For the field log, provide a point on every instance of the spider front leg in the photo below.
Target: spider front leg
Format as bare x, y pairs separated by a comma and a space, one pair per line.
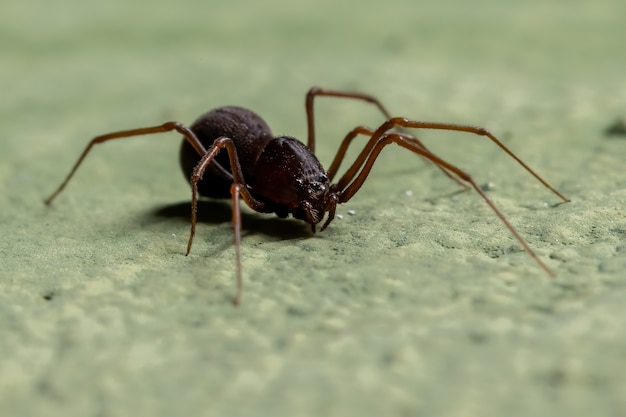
354, 178
366, 131
317, 91
406, 123
238, 189
360, 130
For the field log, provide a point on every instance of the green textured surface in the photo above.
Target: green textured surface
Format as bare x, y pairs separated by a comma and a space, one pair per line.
417, 304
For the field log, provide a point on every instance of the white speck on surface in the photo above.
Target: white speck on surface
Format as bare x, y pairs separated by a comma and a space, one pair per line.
488, 186
408, 193
340, 216
351, 212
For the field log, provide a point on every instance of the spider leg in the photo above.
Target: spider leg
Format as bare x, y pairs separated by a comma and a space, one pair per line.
317, 91
366, 163
239, 189
343, 148
366, 131
235, 192
406, 123
165, 127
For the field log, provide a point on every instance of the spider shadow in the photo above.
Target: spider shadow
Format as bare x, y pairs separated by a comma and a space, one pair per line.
218, 212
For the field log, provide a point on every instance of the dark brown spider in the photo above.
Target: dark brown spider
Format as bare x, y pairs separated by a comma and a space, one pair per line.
281, 175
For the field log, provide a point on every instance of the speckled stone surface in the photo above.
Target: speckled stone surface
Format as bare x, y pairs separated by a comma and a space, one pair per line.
418, 303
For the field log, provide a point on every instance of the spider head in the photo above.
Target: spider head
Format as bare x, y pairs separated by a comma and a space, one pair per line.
313, 196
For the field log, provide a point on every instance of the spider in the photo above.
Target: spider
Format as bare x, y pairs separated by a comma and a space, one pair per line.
282, 175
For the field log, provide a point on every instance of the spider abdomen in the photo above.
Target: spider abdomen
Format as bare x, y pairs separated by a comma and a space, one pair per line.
249, 133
